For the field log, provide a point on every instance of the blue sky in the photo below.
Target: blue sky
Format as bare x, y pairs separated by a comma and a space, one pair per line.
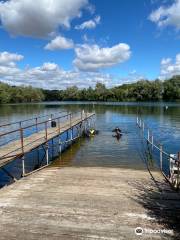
55, 44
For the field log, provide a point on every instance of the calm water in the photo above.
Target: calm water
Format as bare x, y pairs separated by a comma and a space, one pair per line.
103, 149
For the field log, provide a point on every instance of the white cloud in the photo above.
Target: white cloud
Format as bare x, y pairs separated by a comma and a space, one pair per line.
167, 15
59, 43
51, 76
168, 68
89, 24
9, 59
93, 58
41, 18
48, 76
49, 67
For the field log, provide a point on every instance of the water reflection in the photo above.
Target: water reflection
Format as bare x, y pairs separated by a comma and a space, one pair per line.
103, 149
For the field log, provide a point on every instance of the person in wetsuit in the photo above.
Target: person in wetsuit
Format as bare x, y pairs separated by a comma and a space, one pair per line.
118, 133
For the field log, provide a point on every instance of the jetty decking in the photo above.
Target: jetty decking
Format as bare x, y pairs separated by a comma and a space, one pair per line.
25, 144
89, 203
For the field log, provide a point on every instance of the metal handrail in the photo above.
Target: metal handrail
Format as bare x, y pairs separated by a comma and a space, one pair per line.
150, 139
45, 128
34, 125
21, 131
152, 143
29, 119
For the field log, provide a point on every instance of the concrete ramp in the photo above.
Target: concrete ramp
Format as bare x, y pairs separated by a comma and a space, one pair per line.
88, 203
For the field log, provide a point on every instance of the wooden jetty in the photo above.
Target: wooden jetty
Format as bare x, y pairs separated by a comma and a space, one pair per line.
89, 203
39, 134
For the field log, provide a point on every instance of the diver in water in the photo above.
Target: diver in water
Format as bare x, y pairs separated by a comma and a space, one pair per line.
118, 133
91, 132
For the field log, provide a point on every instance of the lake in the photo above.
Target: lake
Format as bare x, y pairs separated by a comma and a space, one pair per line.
105, 150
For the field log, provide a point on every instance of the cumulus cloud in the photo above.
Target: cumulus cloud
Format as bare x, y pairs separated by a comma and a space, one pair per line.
170, 68
9, 59
51, 76
41, 18
93, 58
48, 76
167, 15
89, 24
59, 43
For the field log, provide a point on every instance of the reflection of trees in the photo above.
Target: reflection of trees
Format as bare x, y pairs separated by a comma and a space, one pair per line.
27, 110
20, 109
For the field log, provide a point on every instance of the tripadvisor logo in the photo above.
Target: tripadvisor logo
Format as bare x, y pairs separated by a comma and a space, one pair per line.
138, 231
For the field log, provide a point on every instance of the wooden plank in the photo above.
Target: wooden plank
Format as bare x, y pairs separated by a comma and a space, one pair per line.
13, 150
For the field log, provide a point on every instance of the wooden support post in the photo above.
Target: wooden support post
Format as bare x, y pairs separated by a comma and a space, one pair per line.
161, 156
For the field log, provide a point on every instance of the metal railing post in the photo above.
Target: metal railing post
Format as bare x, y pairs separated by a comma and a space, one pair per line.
59, 126
161, 156
148, 134
83, 114
36, 124
178, 173
70, 120
46, 137
71, 129
152, 141
22, 149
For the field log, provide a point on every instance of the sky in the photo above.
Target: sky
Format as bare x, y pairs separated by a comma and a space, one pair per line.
55, 44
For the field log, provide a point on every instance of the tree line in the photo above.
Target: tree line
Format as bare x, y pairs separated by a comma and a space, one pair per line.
22, 94
144, 90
